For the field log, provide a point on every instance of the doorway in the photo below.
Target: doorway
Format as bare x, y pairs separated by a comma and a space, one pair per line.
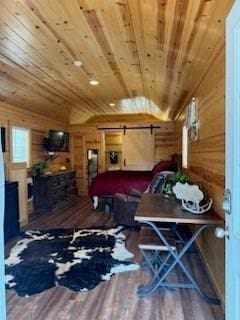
232, 199
2, 272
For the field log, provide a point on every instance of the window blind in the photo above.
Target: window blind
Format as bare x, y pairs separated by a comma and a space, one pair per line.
20, 145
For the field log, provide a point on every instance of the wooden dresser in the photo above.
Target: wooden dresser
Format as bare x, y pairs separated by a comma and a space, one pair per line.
54, 191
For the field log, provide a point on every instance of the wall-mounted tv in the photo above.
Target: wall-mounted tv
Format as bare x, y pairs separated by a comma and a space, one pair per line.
3, 138
56, 141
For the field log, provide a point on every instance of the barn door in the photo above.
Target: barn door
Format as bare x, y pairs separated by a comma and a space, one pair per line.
138, 150
232, 195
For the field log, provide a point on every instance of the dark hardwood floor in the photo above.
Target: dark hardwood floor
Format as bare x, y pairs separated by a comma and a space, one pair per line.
115, 299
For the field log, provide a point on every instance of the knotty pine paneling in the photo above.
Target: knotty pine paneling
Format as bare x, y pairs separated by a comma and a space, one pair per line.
78, 151
123, 118
164, 142
37, 147
135, 48
207, 156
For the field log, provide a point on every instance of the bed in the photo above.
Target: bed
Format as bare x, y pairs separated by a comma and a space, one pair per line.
108, 183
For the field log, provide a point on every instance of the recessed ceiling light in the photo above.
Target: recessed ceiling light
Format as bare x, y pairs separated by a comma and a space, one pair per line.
112, 104
94, 82
77, 63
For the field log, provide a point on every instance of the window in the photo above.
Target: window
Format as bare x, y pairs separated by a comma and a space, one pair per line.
185, 147
20, 145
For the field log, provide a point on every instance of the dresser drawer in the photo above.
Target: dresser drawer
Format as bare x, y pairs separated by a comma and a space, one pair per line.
58, 198
57, 181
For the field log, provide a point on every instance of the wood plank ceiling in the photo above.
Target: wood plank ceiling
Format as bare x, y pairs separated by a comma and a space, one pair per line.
156, 49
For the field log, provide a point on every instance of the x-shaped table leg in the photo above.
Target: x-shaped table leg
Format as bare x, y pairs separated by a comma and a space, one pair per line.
160, 275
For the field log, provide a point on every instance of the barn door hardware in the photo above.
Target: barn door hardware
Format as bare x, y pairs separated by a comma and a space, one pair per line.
125, 128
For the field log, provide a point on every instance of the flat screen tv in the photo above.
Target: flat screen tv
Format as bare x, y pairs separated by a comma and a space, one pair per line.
56, 141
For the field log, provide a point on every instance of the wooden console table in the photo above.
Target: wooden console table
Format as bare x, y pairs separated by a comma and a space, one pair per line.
154, 209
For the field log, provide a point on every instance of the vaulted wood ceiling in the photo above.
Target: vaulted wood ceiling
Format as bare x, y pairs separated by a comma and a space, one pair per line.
155, 49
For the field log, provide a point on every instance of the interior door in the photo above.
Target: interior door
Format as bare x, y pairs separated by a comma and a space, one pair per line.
2, 276
138, 150
232, 201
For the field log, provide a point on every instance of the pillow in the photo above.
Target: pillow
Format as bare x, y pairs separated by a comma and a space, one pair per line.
158, 181
162, 166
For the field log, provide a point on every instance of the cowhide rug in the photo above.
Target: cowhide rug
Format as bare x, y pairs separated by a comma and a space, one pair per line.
78, 259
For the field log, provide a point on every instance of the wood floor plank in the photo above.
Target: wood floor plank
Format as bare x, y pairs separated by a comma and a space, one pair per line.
115, 299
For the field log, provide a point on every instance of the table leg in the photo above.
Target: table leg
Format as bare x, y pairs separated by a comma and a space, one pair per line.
159, 278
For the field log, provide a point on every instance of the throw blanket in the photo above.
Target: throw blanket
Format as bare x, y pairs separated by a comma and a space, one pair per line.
111, 182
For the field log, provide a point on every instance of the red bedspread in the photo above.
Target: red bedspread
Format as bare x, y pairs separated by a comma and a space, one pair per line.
121, 181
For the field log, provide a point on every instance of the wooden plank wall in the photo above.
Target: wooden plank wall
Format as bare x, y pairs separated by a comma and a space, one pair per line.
88, 137
78, 143
207, 156
164, 141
